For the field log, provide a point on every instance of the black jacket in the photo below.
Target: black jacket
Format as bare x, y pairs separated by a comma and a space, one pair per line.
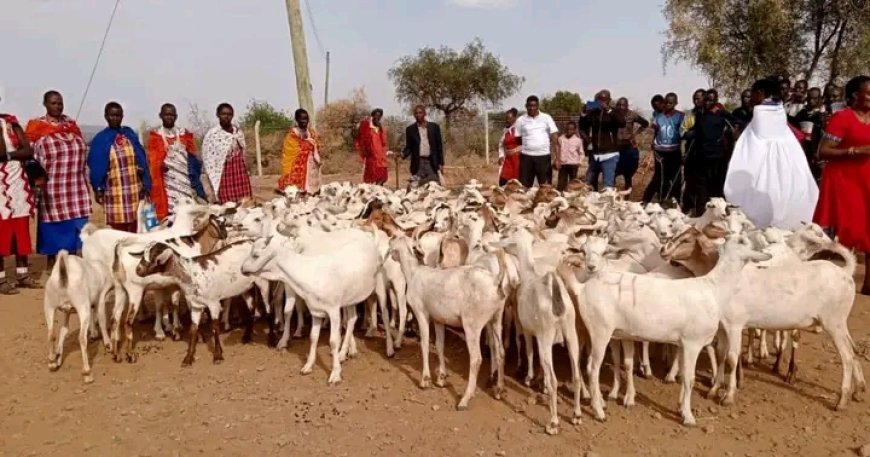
712, 136
602, 128
412, 146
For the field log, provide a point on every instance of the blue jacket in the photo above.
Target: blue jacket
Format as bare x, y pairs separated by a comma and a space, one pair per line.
98, 157
667, 130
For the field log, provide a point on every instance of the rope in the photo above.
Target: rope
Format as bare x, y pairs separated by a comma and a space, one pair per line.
97, 62
314, 29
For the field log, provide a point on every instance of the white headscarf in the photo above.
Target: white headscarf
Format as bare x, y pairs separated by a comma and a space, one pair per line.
216, 145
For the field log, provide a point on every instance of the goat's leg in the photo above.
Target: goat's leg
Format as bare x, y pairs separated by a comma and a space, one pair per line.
843, 342
711, 354
61, 336
551, 384
176, 319
216, 334
225, 314
596, 357
84, 321
508, 320
334, 345
159, 309
52, 339
316, 322
440, 380
530, 359
300, 319
402, 304
193, 335
645, 366
733, 365
132, 310
496, 330
289, 304
615, 346
348, 344
248, 318
674, 371
750, 345
423, 324
722, 348
688, 359
763, 352
381, 294
472, 339
121, 299
792, 345
571, 341
101, 314
628, 363
372, 314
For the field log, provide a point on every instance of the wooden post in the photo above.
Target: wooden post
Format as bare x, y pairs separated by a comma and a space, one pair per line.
326, 86
300, 58
486, 133
257, 147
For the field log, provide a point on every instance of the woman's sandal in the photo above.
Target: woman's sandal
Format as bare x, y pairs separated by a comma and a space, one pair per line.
27, 282
6, 288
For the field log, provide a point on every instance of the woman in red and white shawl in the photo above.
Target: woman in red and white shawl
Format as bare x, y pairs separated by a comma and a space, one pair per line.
371, 142
223, 157
16, 203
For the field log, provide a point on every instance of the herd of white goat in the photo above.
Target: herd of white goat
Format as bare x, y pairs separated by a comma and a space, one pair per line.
583, 269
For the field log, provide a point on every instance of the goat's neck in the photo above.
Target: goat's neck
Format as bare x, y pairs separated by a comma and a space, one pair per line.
409, 263
725, 276
525, 258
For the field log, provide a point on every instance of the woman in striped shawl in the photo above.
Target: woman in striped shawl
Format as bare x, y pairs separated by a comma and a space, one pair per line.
223, 157
175, 168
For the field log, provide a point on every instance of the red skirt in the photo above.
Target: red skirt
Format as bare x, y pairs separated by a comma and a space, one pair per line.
235, 182
373, 174
511, 167
15, 236
844, 202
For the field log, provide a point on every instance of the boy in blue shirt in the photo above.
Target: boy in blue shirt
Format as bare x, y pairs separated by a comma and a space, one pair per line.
667, 152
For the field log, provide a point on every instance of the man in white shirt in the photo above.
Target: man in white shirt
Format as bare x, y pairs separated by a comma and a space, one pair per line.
540, 145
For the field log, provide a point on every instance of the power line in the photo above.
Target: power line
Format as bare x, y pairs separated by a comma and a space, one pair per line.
314, 29
97, 62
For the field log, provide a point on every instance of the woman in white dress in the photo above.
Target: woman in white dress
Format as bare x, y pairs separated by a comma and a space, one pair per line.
768, 176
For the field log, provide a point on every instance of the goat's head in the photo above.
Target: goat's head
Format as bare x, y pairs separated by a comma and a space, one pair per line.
262, 252
740, 248
156, 258
595, 248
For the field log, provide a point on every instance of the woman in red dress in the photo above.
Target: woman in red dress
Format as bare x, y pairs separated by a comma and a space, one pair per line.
844, 200
509, 150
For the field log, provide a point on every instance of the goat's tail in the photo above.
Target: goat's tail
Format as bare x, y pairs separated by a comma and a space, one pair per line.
62, 273
87, 231
558, 303
846, 254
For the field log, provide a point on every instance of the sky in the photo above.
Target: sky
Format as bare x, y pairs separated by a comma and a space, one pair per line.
205, 52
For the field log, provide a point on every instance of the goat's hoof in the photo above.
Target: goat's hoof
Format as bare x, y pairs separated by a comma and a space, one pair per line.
117, 358
397, 344
712, 393
552, 428
841, 405
791, 378
462, 406
159, 337
426, 383
499, 392
334, 379
612, 396
527, 382
53, 366
132, 357
670, 380
370, 333
576, 420
188, 361
272, 341
689, 422
306, 370
441, 381
217, 360
176, 336
727, 401
88, 379
627, 402
390, 352
601, 418
297, 335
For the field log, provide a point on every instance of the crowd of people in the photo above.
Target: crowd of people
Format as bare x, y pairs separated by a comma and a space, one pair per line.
749, 155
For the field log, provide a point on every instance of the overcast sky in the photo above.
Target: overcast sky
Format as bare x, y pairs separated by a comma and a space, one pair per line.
210, 51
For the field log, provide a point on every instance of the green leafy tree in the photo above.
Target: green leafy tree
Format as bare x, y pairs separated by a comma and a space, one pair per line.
452, 81
562, 103
737, 41
271, 119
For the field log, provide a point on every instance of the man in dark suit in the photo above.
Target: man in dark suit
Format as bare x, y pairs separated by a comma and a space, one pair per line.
423, 144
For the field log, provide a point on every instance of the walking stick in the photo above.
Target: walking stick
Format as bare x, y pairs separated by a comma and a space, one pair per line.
396, 161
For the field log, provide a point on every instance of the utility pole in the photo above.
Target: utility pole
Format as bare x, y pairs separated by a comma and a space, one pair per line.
300, 57
326, 86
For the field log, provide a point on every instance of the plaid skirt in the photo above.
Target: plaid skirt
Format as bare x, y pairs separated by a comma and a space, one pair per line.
235, 182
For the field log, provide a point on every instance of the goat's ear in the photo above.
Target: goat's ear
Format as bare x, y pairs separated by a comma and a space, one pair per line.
137, 254
394, 255
164, 257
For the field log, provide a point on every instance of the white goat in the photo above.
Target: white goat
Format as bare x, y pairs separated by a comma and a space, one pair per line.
467, 296
684, 312
74, 284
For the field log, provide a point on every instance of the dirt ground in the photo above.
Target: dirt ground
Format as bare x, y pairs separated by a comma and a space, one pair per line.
257, 403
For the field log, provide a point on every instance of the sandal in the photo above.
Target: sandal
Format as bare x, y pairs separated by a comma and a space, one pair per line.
27, 282
6, 288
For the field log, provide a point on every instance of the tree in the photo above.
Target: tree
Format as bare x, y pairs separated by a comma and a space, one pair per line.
562, 103
271, 119
737, 41
337, 123
452, 81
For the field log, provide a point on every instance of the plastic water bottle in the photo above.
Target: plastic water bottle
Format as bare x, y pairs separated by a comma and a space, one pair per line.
150, 216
